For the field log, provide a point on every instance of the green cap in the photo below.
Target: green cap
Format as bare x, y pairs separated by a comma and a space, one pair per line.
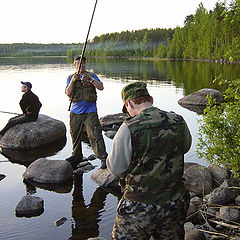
132, 91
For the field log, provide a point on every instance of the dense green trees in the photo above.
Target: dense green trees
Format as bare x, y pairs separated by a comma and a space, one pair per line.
209, 35
205, 35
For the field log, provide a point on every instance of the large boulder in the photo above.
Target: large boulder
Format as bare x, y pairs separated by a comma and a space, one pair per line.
197, 101
198, 180
49, 171
112, 121
34, 134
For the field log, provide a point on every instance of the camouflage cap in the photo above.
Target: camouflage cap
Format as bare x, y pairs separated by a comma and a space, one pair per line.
132, 91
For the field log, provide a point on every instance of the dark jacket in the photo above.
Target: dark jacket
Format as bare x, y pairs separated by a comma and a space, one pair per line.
30, 104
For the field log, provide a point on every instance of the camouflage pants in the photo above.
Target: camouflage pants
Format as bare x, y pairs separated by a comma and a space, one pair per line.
140, 221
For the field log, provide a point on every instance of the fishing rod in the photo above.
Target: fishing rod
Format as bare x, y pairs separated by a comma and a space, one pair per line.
9, 112
83, 52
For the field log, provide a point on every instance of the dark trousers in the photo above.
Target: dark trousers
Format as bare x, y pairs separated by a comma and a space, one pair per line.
17, 120
94, 133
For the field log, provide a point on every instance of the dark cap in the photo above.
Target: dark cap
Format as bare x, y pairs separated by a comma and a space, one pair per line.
132, 91
78, 57
27, 84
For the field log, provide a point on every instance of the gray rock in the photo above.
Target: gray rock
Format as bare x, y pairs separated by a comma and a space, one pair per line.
104, 178
34, 134
198, 180
219, 174
230, 214
200, 97
192, 211
83, 169
84, 163
60, 221
29, 206
237, 200
110, 121
197, 101
49, 171
110, 134
223, 194
192, 233
196, 201
91, 157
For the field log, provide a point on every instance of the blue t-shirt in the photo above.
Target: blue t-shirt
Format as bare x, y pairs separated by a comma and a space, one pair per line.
83, 106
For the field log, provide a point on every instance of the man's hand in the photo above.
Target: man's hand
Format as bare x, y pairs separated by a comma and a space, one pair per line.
87, 78
75, 77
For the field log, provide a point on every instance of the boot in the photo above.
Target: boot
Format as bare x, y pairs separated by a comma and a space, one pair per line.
103, 164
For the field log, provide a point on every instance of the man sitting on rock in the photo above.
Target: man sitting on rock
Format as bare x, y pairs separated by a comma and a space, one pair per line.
30, 106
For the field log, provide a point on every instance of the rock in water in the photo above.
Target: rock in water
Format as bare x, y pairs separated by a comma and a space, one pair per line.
34, 134
29, 206
49, 171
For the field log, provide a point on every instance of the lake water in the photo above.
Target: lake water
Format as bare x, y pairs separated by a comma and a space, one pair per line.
89, 210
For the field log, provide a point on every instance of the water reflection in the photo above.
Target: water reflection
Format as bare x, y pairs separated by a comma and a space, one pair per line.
58, 188
26, 157
86, 217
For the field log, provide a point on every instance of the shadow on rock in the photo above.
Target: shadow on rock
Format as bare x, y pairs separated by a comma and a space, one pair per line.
26, 157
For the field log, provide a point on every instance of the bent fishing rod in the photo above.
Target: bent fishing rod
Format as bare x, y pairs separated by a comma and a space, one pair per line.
83, 52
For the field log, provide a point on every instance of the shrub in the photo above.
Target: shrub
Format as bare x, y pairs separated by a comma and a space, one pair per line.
219, 132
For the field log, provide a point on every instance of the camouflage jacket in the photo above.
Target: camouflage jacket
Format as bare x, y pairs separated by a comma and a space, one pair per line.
158, 141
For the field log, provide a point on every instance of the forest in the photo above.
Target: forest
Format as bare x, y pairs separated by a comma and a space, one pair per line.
206, 35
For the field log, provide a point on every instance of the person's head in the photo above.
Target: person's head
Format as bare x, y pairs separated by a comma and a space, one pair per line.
135, 97
77, 62
26, 86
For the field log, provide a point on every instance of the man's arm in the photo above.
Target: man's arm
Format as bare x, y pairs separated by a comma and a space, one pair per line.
119, 159
71, 85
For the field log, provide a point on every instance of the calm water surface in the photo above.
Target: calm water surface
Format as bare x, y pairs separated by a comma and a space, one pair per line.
89, 210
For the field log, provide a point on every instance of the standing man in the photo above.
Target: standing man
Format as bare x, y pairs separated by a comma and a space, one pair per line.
30, 106
148, 154
84, 112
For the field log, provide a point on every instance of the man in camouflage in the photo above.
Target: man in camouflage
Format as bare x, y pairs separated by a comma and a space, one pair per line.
148, 154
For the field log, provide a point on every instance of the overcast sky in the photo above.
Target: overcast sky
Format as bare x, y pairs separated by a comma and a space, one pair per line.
67, 21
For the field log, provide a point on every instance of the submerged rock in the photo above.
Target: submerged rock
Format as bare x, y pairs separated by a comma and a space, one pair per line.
29, 206
49, 171
34, 134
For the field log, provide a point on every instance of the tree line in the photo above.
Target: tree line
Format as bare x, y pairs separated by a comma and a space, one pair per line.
34, 49
213, 34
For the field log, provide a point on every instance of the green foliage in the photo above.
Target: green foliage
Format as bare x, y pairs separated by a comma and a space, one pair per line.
219, 140
209, 35
205, 35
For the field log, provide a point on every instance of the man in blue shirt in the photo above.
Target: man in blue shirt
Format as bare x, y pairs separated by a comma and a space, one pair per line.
84, 112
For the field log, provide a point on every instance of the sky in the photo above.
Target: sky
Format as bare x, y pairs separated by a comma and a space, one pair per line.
67, 21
